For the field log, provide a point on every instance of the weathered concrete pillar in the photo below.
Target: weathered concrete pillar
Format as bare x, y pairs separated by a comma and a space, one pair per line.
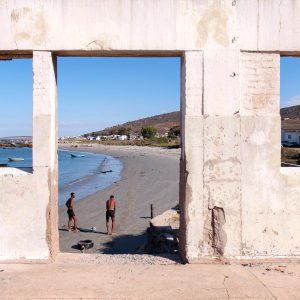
222, 153
267, 205
45, 137
210, 165
191, 167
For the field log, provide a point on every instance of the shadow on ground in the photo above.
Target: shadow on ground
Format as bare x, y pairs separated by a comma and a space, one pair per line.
133, 244
126, 244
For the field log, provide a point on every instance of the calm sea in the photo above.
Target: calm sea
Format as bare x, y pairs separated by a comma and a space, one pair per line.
84, 175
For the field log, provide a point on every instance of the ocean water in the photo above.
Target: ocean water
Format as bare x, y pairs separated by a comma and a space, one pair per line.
83, 175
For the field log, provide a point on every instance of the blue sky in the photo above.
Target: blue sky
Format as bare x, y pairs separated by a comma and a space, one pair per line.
289, 81
94, 93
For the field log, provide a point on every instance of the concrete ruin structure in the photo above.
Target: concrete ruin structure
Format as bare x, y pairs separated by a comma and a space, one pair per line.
236, 201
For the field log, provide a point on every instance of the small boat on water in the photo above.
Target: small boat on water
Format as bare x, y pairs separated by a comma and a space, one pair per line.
77, 155
15, 158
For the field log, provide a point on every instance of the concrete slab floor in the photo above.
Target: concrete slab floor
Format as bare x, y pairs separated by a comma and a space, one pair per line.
86, 276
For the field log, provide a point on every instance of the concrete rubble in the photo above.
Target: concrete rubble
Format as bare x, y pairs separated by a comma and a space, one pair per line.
163, 233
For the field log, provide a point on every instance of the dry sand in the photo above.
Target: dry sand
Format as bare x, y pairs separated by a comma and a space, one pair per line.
150, 175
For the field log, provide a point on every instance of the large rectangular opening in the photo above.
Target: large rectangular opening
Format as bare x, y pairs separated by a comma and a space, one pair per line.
290, 111
119, 134
16, 114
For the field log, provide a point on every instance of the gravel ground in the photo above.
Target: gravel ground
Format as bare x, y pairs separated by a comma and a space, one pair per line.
126, 259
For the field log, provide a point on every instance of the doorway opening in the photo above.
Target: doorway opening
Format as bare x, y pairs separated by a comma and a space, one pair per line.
119, 134
16, 114
290, 111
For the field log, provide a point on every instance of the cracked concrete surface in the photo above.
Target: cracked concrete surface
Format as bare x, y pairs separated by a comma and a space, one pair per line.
83, 277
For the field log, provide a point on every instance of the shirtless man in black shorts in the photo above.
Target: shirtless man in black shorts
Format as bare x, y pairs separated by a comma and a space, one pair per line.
110, 213
71, 214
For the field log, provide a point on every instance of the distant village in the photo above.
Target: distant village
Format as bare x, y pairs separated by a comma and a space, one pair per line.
111, 137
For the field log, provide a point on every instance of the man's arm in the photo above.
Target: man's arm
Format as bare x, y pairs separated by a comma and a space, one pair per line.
115, 206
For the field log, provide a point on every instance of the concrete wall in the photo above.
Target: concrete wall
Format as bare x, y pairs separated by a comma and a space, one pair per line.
235, 198
28, 202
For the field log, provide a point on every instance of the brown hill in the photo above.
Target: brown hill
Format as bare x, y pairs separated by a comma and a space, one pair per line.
290, 121
290, 117
162, 123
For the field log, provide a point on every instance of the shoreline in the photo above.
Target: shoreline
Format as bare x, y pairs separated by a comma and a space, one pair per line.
88, 181
117, 152
148, 176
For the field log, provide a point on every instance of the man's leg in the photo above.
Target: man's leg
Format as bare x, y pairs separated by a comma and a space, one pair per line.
107, 224
113, 223
75, 224
69, 221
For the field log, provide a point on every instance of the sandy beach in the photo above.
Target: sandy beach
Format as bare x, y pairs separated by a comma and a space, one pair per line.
150, 175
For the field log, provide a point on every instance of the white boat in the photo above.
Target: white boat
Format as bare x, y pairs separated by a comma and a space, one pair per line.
77, 155
15, 158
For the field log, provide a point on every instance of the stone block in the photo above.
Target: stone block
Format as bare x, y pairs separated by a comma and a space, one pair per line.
221, 82
260, 84
44, 110
247, 14
222, 181
192, 83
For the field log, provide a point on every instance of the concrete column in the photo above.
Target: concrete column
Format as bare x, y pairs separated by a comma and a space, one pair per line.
222, 153
191, 167
266, 214
45, 137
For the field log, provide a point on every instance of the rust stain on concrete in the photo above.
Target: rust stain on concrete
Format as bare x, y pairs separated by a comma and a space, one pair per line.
29, 25
213, 23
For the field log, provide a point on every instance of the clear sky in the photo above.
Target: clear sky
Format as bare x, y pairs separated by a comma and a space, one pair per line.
289, 81
94, 93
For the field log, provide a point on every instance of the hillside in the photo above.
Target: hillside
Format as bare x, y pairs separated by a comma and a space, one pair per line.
162, 123
290, 117
290, 121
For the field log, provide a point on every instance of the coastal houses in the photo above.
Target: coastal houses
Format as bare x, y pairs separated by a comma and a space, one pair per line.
290, 136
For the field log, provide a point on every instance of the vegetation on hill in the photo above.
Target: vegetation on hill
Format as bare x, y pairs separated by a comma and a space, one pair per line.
162, 124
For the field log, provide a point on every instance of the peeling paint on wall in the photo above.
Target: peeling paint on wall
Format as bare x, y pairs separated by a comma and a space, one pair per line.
103, 42
215, 238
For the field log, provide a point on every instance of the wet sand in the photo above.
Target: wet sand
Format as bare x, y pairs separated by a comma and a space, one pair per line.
150, 175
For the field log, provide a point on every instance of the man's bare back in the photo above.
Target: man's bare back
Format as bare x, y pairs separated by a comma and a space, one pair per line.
111, 204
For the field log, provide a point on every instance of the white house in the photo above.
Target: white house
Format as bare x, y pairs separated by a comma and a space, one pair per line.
291, 136
122, 137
